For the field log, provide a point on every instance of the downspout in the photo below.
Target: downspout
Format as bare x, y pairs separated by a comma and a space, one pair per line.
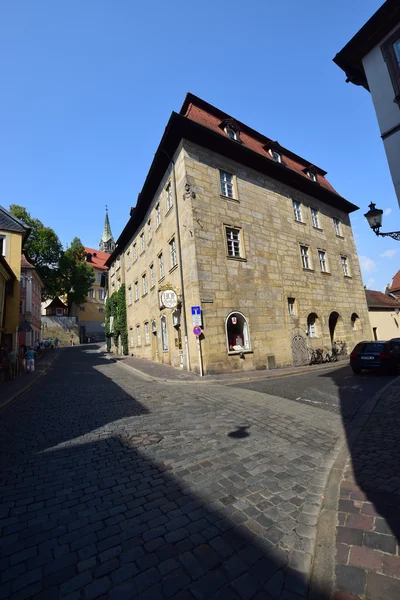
178, 237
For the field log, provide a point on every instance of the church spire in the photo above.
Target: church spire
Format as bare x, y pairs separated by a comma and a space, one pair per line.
107, 243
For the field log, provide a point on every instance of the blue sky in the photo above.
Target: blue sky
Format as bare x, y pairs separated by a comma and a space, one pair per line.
87, 89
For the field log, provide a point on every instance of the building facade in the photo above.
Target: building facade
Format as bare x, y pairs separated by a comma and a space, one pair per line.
384, 315
372, 59
91, 313
13, 234
31, 286
254, 235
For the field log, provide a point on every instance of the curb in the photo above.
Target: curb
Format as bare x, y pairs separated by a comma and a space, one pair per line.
322, 576
29, 386
203, 381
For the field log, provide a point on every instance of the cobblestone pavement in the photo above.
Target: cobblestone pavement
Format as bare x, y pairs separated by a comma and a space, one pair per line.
368, 532
337, 390
114, 487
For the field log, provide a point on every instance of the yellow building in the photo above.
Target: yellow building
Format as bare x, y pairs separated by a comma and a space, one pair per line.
13, 234
384, 315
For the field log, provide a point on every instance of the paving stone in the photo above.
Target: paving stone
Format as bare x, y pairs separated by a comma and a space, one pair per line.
380, 587
350, 579
379, 541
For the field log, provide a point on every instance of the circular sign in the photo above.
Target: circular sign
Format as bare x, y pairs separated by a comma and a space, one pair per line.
169, 299
234, 320
197, 330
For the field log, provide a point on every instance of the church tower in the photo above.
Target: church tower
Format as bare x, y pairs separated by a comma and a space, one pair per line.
107, 243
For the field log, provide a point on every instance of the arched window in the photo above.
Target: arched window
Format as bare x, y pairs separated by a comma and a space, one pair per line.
312, 325
164, 333
237, 332
355, 322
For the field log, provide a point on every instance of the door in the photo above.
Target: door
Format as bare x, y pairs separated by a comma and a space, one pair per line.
299, 351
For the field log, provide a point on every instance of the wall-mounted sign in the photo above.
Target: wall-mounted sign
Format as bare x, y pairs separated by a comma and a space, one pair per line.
197, 331
169, 299
196, 316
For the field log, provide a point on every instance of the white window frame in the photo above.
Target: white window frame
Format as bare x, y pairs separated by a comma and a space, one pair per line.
345, 265
158, 215
129, 295
142, 242
136, 286
144, 284
3, 237
312, 327
152, 276
337, 227
131, 337
305, 257
226, 184
128, 260
149, 231
101, 294
246, 333
312, 176
233, 244
172, 253
315, 217
147, 332
161, 266
135, 254
168, 197
292, 306
275, 155
138, 335
323, 263
164, 333
297, 211
231, 133
91, 293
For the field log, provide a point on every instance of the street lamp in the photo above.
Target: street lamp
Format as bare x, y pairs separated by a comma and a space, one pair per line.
374, 218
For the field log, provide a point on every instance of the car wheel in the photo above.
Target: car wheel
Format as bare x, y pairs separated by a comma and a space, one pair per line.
356, 371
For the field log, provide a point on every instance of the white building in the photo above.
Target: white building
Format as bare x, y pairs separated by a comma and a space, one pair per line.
372, 59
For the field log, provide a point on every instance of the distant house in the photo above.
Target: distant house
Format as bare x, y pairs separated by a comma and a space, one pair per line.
56, 308
394, 289
383, 314
30, 303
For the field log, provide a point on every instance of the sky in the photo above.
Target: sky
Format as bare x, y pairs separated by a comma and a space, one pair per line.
88, 87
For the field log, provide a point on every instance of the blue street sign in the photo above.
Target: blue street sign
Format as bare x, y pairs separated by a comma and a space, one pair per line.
197, 330
196, 310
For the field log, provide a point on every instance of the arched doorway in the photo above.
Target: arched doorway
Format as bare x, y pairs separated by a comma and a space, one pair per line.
333, 321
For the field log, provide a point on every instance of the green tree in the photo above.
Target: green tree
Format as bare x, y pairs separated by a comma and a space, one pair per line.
43, 248
75, 275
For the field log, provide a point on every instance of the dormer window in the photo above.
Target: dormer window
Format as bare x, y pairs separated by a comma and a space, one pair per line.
310, 172
231, 129
277, 156
230, 132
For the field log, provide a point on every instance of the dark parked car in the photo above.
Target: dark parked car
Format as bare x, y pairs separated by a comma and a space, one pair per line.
376, 355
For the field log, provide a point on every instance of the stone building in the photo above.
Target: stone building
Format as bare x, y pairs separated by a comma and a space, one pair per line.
29, 330
255, 235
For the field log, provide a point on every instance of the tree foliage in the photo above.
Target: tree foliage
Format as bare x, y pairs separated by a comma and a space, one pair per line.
116, 308
44, 248
76, 276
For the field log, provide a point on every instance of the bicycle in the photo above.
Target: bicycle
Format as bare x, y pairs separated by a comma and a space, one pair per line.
316, 356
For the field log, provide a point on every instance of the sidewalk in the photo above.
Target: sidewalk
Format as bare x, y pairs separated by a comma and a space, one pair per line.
367, 561
166, 373
9, 390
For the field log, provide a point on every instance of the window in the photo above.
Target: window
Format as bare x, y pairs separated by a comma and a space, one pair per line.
91, 293
134, 252
168, 197
375, 332
131, 339
336, 225
233, 242
152, 279
158, 215
277, 156
81, 309
59, 312
161, 265
149, 231
130, 295
144, 284
136, 286
355, 322
292, 306
312, 175
311, 325
345, 266
22, 281
322, 261
101, 294
128, 259
164, 333
297, 210
21, 307
226, 180
119, 283
147, 333
237, 332
101, 310
2, 245
391, 52
138, 335
230, 132
99, 276
142, 243
315, 218
172, 253
305, 257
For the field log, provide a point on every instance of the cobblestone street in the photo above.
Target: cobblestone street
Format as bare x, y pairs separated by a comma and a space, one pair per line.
115, 487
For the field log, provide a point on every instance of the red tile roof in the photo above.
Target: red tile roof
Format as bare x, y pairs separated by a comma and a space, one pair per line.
395, 287
377, 299
25, 262
98, 258
207, 115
